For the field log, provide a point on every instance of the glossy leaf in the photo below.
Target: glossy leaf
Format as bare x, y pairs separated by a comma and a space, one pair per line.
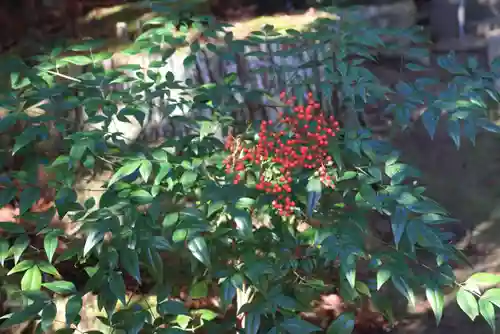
435, 296
50, 243
199, 249
61, 287
48, 316
404, 289
483, 279
487, 311
130, 262
23, 315
73, 308
124, 171
383, 276
344, 324
252, 323
493, 296
468, 303
32, 279
117, 286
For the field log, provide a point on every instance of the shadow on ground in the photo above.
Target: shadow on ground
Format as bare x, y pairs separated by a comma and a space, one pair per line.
467, 183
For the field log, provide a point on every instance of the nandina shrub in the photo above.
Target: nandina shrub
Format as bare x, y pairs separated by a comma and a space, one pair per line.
247, 235
294, 148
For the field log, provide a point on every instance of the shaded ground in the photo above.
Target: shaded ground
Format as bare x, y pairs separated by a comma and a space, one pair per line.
466, 183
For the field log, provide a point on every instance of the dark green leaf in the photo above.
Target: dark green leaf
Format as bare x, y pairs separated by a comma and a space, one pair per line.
299, 326
252, 323
61, 287
435, 296
73, 309
344, 324
117, 286
48, 316
404, 289
19, 246
198, 247
173, 307
398, 222
27, 198
23, 315
130, 262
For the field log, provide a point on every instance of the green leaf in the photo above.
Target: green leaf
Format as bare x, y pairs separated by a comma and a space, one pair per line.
299, 326
399, 220
77, 60
348, 175
493, 296
173, 307
404, 289
243, 223
198, 247
4, 251
227, 293
188, 178
124, 171
117, 287
314, 185
183, 321
50, 243
146, 169
205, 314
60, 287
27, 198
483, 279
468, 303
93, 238
170, 219
348, 267
130, 262
430, 119
21, 266
487, 311
199, 290
19, 246
207, 128
73, 309
435, 296
7, 195
252, 323
344, 324
48, 268
48, 316
488, 125
454, 131
32, 279
383, 276
23, 315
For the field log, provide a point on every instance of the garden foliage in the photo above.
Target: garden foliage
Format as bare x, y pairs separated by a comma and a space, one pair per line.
268, 218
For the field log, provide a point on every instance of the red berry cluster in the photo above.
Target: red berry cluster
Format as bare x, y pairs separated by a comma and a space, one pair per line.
297, 141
